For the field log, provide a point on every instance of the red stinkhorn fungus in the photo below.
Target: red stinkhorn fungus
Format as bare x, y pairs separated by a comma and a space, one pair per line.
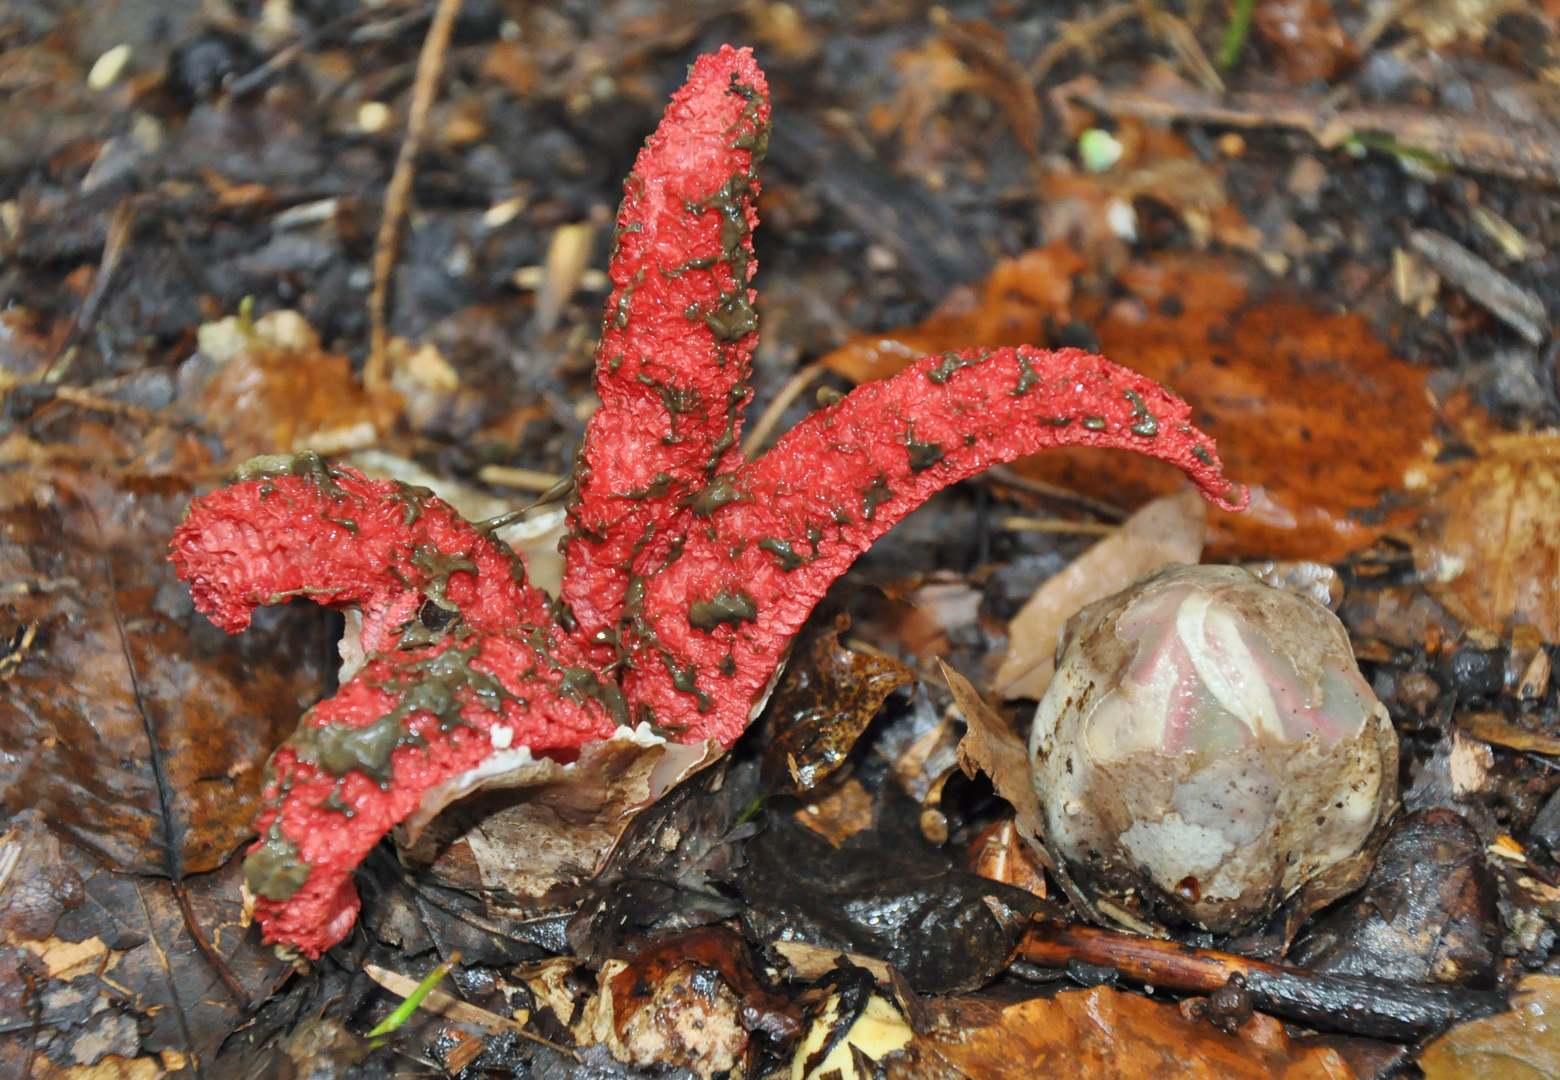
688, 569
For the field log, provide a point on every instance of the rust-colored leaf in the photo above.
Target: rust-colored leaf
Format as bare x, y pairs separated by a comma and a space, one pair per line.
1310, 409
1102, 1033
840, 813
287, 395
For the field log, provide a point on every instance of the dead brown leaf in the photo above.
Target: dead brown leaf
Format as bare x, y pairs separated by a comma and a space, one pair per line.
1309, 409
1109, 1035
134, 725
125, 940
839, 814
1493, 539
1167, 530
286, 396
532, 834
990, 746
1523, 1044
828, 697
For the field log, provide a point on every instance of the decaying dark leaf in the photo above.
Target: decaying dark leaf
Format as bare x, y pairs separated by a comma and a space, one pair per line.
828, 697
115, 968
1426, 915
886, 894
129, 720
663, 874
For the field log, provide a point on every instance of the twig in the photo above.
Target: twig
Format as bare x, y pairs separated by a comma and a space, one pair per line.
1513, 305
1355, 1004
252, 80
1183, 42
86, 399
451, 1008
257, 77
27, 1025
989, 50
1050, 525
36, 1023
1002, 474
119, 227
430, 66
1479, 142
524, 479
1071, 37
760, 432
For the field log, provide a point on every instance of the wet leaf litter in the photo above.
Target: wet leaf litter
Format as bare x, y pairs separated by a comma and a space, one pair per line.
180, 302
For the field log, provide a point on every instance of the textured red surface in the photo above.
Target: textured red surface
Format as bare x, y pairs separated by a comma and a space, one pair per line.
688, 570
816, 481
677, 341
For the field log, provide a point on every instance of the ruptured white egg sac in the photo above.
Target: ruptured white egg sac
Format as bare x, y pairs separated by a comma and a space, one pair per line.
1209, 742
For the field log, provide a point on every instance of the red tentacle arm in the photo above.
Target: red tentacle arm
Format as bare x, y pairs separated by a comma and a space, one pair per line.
677, 343
409, 728
291, 526
714, 621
